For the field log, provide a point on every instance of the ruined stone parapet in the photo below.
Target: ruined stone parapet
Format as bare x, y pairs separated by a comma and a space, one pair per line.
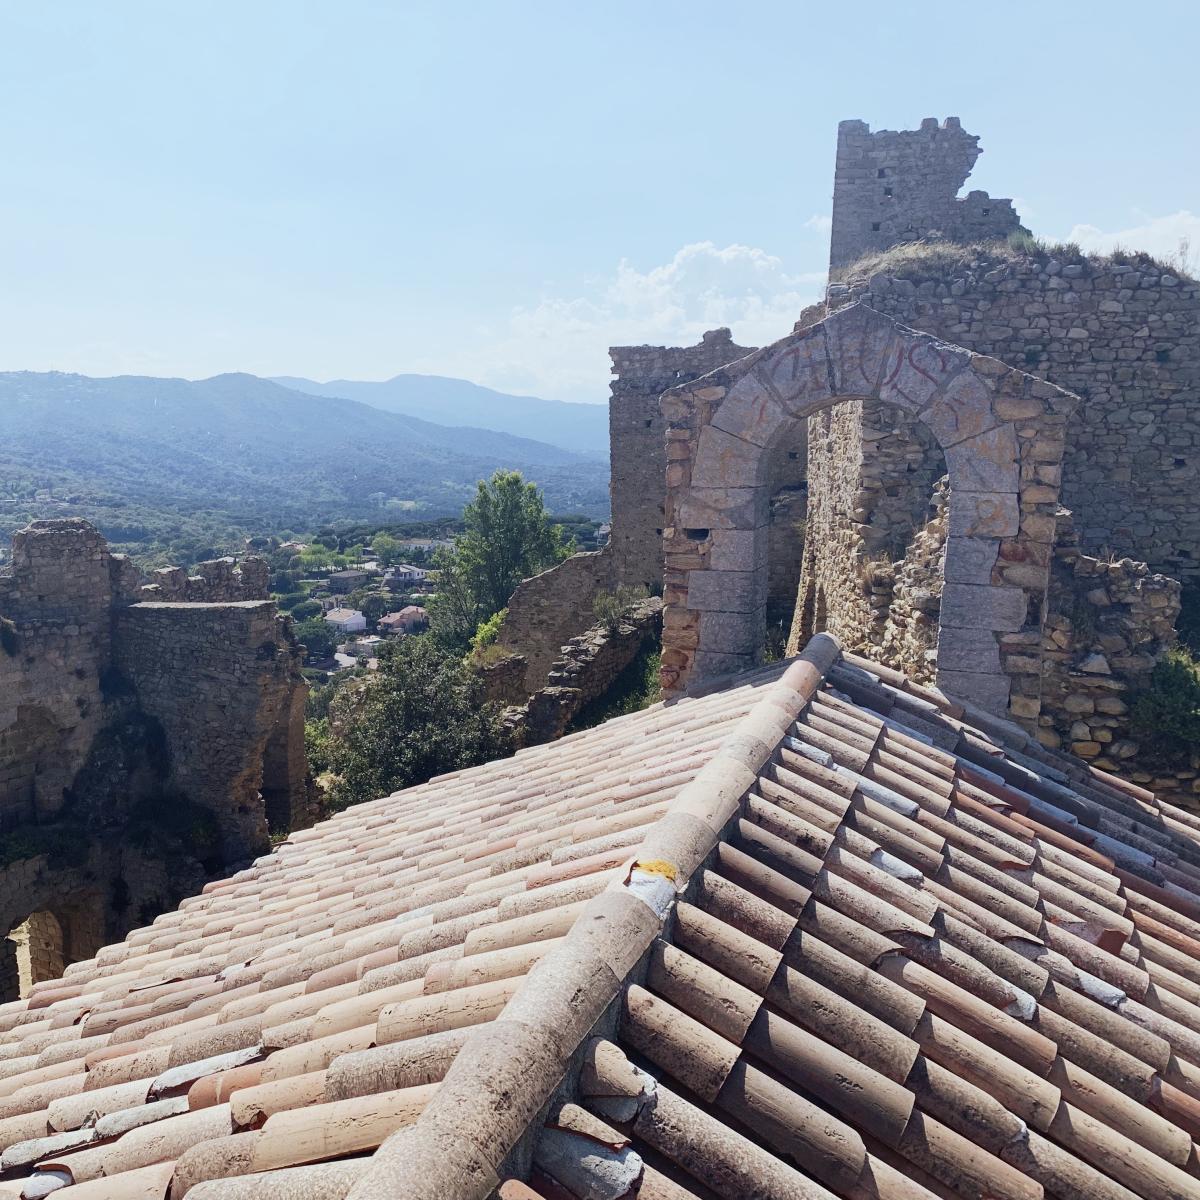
1108, 623
894, 187
219, 580
548, 609
504, 679
587, 667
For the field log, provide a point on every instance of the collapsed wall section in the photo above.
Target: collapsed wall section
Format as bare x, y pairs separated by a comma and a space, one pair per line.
108, 720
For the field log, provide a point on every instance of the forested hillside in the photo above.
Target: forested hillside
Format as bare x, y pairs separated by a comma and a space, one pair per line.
173, 463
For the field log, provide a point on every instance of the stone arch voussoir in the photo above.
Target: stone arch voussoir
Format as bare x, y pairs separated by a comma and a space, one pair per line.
1002, 434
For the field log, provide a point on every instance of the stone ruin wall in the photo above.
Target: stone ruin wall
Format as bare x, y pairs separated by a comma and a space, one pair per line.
586, 669
547, 611
1125, 337
1109, 622
112, 699
1124, 334
900, 186
217, 678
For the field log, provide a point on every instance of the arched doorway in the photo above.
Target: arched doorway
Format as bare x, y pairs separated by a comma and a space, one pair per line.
1001, 432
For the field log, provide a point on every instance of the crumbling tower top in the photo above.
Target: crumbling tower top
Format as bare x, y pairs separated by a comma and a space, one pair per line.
891, 187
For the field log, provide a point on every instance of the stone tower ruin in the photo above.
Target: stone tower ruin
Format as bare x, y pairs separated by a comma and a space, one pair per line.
893, 187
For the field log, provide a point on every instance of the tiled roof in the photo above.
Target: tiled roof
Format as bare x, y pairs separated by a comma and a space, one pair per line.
817, 933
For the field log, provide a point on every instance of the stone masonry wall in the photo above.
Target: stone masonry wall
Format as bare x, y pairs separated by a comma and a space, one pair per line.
893, 187
83, 751
551, 608
56, 600
1109, 622
587, 667
1124, 336
637, 444
215, 677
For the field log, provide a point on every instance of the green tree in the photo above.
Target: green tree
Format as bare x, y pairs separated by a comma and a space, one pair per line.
317, 636
375, 605
387, 548
421, 714
508, 536
454, 608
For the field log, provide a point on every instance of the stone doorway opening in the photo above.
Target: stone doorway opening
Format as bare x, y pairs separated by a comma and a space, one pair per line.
1000, 430
878, 518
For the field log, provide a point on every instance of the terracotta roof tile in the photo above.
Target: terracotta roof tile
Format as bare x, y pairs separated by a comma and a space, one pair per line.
814, 933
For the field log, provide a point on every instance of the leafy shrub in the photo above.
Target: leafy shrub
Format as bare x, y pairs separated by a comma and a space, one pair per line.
486, 632
609, 607
317, 637
1166, 716
421, 714
307, 610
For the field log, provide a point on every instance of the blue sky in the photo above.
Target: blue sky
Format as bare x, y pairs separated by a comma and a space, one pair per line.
500, 191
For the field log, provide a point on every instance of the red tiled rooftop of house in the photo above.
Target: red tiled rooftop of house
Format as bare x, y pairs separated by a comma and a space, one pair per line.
816, 933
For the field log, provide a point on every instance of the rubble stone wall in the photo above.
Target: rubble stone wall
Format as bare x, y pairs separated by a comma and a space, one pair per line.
102, 707
587, 667
216, 677
900, 186
1124, 336
548, 609
1109, 622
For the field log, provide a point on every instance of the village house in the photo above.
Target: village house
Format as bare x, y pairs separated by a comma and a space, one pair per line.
403, 577
348, 580
346, 620
410, 619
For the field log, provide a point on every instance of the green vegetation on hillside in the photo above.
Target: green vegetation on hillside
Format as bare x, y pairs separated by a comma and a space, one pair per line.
179, 471
923, 259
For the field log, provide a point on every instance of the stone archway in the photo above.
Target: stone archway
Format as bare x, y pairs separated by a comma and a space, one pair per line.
1000, 430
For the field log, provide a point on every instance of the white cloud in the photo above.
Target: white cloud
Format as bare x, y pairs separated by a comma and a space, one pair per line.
821, 223
1160, 236
559, 348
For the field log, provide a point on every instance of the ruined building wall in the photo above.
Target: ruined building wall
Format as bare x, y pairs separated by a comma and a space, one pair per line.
892, 187
1109, 621
873, 472
216, 678
108, 714
545, 612
54, 652
1124, 336
549, 609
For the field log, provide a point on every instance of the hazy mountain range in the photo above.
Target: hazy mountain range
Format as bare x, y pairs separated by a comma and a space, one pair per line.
161, 459
579, 427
